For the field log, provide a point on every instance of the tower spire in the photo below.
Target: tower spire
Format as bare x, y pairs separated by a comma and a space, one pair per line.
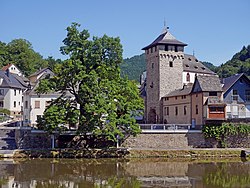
165, 28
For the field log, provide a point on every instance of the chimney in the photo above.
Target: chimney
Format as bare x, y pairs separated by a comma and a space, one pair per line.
8, 72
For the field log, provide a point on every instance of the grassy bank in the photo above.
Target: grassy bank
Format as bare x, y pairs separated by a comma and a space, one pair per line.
128, 153
193, 153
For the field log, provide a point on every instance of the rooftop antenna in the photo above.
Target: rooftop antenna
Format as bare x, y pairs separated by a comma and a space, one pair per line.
165, 28
193, 53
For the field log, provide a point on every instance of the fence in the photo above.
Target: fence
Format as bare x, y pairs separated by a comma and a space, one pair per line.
150, 128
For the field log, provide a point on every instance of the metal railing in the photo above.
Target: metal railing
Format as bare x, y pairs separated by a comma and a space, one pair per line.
165, 126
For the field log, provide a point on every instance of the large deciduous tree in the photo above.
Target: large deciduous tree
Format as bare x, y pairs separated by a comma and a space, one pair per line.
93, 95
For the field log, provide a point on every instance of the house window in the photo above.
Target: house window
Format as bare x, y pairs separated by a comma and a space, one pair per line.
167, 111
247, 94
20, 91
1, 91
152, 65
212, 93
216, 109
1, 104
176, 110
47, 103
235, 95
170, 63
155, 48
38, 117
151, 50
37, 104
196, 109
185, 110
176, 98
26, 104
14, 104
14, 92
188, 77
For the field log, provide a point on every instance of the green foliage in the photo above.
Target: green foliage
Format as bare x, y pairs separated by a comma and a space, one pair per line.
210, 66
240, 63
5, 111
94, 96
20, 53
133, 67
221, 132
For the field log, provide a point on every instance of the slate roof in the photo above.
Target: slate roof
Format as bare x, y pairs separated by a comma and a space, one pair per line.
11, 81
230, 81
39, 71
191, 64
208, 83
165, 38
178, 92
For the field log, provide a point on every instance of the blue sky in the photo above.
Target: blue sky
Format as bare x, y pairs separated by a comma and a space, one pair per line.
214, 29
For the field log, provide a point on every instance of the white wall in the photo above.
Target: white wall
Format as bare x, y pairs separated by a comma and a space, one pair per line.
31, 113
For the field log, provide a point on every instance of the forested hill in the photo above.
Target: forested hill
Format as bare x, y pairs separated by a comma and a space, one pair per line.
240, 63
133, 67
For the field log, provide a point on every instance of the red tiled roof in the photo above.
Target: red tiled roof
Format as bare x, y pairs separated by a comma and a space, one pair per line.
6, 67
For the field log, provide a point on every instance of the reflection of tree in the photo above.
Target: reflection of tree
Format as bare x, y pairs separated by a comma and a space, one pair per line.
228, 175
73, 172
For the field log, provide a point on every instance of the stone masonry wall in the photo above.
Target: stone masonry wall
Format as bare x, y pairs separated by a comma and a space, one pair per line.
182, 141
28, 139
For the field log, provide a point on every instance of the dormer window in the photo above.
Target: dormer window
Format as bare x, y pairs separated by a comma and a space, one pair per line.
186, 65
170, 63
189, 59
196, 67
203, 68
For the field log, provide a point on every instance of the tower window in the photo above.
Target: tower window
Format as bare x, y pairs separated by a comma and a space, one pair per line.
185, 110
170, 63
188, 77
196, 109
176, 110
152, 65
155, 48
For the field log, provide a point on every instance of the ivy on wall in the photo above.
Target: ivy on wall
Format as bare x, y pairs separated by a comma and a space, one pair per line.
221, 132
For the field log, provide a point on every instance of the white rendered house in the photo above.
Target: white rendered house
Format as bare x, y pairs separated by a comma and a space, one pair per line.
12, 87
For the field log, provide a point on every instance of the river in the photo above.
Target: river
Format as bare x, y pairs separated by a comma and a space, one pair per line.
124, 173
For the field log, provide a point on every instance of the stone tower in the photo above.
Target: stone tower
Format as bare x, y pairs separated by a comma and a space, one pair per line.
164, 57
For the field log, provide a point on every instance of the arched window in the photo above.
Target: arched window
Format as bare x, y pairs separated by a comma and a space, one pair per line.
188, 77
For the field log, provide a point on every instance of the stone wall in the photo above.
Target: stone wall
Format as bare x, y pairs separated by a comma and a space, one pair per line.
30, 139
182, 141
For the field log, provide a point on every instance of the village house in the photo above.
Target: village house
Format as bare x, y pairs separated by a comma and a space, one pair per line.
35, 103
12, 87
195, 104
236, 94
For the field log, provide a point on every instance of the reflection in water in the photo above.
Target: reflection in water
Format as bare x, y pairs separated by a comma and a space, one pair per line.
134, 173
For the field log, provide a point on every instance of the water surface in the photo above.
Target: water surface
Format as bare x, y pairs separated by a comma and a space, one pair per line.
124, 173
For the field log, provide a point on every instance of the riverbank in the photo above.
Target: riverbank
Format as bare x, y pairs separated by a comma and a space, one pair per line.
127, 153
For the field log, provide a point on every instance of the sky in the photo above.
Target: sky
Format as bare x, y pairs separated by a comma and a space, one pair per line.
214, 29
